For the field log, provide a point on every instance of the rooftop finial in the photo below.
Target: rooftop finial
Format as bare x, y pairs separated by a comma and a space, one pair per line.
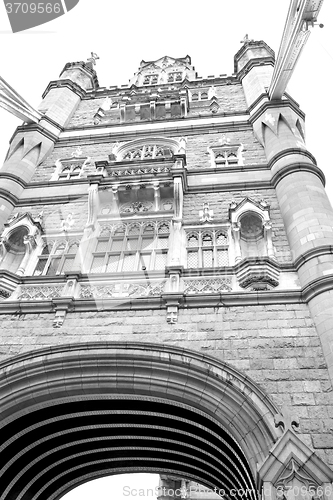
92, 60
246, 39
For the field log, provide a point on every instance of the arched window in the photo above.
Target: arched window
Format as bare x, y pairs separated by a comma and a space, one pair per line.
57, 257
207, 249
132, 247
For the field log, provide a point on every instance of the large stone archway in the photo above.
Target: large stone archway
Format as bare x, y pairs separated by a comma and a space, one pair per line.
77, 412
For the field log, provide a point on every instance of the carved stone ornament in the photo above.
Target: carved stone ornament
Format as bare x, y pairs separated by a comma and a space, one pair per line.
258, 275
292, 471
137, 206
43, 292
4, 294
207, 285
121, 172
206, 214
149, 149
119, 289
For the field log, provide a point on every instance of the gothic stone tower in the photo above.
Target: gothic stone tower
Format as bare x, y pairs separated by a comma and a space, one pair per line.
166, 287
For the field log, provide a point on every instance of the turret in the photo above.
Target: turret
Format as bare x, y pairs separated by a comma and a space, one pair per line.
299, 183
33, 142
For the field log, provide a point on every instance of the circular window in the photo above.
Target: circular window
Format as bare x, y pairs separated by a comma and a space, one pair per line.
251, 226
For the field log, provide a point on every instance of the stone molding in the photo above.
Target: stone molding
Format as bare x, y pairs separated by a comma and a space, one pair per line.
296, 168
206, 395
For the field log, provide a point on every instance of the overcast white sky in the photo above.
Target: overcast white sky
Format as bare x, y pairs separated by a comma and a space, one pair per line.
124, 33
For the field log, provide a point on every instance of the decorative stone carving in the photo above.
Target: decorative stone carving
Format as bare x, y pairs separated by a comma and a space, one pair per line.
137, 206
206, 214
258, 275
139, 171
293, 472
149, 149
122, 290
286, 419
4, 294
208, 285
59, 318
40, 292
77, 152
68, 223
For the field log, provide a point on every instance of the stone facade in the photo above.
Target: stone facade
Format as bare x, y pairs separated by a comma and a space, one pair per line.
181, 227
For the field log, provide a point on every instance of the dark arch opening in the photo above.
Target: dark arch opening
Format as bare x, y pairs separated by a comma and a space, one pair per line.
81, 412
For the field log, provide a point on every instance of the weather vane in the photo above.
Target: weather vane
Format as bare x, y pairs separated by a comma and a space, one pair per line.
93, 58
246, 39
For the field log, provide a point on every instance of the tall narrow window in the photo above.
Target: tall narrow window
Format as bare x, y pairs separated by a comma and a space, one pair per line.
56, 258
131, 247
207, 249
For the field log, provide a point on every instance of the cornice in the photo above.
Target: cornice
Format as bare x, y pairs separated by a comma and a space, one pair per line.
65, 83
36, 127
316, 287
181, 126
42, 200
232, 169
276, 103
228, 299
297, 167
11, 177
312, 254
254, 44
253, 63
283, 103
290, 151
237, 186
8, 196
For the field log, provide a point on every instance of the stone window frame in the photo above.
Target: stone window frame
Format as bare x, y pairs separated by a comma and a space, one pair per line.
226, 155
122, 248
175, 76
174, 146
146, 152
71, 165
199, 95
201, 250
54, 260
150, 79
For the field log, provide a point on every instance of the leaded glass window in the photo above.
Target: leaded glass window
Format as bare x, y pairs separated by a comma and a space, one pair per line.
57, 257
131, 247
207, 249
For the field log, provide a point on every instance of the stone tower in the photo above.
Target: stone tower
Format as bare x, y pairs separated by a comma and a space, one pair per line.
166, 288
